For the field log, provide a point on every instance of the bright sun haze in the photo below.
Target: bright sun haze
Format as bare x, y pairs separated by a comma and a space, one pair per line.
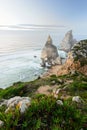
70, 13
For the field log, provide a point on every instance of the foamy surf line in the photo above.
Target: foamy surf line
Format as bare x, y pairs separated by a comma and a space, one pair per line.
21, 66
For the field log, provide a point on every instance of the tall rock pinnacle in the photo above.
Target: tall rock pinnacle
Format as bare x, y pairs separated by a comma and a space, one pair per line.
49, 53
49, 40
68, 41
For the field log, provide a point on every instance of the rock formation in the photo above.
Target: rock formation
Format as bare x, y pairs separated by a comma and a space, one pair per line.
68, 41
76, 60
1, 123
80, 52
22, 103
77, 99
49, 54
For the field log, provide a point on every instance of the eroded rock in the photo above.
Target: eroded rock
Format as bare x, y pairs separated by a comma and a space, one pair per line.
49, 54
68, 41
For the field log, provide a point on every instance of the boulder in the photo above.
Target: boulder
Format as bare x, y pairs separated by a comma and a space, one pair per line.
56, 92
68, 41
21, 103
77, 99
49, 54
1, 123
59, 102
3, 102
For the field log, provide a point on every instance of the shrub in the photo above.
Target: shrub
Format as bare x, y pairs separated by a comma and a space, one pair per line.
44, 114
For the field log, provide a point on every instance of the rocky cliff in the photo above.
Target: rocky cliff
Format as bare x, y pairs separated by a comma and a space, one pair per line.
49, 54
79, 52
76, 60
68, 41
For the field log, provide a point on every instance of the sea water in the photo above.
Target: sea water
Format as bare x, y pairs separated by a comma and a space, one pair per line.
20, 52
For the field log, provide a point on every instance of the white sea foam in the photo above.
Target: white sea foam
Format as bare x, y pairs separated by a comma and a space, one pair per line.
20, 55
20, 66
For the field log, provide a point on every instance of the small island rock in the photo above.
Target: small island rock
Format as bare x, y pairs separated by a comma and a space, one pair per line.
68, 41
49, 54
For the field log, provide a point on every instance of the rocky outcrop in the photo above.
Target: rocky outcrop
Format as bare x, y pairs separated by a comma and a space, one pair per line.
77, 99
59, 102
76, 59
21, 103
68, 41
79, 52
1, 123
70, 66
49, 54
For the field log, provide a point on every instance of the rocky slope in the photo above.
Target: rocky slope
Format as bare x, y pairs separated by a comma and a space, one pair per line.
49, 54
79, 52
68, 41
76, 60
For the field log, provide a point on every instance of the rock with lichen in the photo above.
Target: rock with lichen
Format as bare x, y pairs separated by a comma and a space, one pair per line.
79, 52
21, 103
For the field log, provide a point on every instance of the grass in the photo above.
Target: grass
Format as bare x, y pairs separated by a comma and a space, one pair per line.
45, 114
23, 89
27, 88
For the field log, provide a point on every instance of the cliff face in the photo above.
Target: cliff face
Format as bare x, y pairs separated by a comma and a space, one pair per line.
76, 60
49, 54
79, 52
68, 41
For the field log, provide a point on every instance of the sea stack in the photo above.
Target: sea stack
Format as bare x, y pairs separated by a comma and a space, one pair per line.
49, 54
68, 41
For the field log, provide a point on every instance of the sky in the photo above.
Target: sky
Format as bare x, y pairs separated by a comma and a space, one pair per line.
66, 13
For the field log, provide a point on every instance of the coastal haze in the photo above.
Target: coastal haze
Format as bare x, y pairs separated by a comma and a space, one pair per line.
24, 28
20, 54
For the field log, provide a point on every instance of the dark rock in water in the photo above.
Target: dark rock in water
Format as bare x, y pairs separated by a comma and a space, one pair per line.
35, 56
68, 41
49, 54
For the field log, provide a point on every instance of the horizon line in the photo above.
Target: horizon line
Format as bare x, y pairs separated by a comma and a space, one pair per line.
31, 25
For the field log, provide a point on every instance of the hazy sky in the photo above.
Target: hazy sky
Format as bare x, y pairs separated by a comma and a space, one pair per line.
70, 13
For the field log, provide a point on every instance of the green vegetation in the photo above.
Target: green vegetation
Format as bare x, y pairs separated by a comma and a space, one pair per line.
78, 86
23, 89
27, 88
44, 113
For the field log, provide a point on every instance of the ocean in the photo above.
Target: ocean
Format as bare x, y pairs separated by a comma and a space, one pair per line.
20, 52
